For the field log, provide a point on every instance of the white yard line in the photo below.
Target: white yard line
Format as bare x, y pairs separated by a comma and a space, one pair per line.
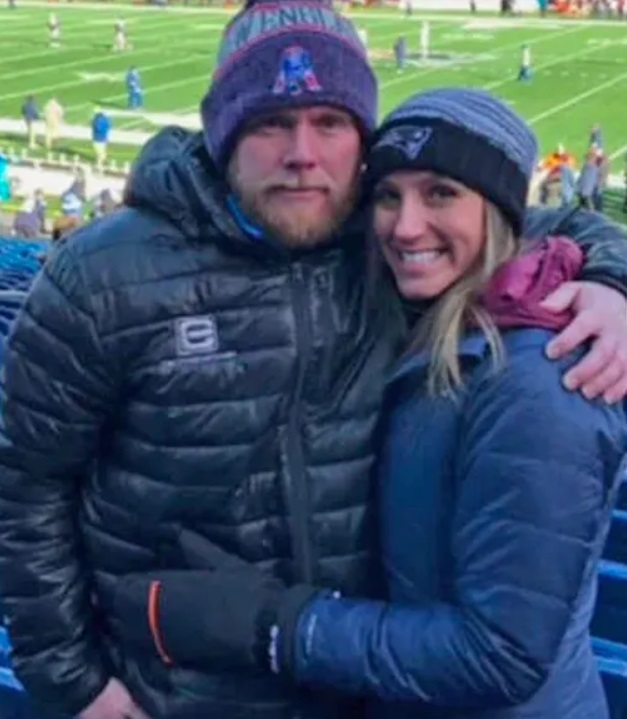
419, 73
557, 61
57, 86
578, 98
50, 51
153, 89
619, 153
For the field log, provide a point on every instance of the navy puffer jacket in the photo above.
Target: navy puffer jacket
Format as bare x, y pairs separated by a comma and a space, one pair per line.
494, 511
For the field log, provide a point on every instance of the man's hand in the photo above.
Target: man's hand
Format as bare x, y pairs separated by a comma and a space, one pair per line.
114, 702
600, 317
216, 617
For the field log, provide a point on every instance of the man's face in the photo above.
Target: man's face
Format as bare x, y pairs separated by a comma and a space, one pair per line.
296, 173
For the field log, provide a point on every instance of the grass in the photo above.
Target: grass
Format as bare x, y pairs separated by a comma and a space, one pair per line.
580, 67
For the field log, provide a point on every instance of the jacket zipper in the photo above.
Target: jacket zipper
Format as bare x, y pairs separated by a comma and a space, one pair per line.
297, 490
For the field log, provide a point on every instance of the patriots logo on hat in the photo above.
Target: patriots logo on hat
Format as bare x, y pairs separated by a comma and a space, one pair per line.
407, 139
296, 73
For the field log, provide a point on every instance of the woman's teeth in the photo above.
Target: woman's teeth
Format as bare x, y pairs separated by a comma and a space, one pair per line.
420, 258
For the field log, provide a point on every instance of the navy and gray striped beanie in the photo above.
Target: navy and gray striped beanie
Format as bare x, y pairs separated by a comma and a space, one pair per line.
462, 133
279, 54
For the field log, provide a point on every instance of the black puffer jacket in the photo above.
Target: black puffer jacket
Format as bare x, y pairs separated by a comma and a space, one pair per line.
169, 371
221, 385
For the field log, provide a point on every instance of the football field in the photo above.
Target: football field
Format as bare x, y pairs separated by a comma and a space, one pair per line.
580, 66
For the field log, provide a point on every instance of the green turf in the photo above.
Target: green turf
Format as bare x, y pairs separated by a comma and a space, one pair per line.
581, 68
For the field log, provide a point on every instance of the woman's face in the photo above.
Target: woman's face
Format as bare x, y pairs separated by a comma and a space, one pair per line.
431, 230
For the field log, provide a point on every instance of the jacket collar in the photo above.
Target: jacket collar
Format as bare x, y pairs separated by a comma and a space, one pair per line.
472, 349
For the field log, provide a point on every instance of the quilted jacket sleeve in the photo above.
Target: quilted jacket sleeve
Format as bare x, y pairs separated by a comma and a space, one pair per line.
535, 470
55, 394
603, 241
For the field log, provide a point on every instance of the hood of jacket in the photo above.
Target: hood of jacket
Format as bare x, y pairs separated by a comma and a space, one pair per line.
174, 177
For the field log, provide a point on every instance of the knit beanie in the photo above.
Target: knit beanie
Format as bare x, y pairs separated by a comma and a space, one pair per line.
286, 54
465, 134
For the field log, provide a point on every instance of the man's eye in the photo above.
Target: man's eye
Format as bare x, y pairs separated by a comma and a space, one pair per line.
271, 123
333, 122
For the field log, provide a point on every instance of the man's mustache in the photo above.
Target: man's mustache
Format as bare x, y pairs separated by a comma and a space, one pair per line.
296, 186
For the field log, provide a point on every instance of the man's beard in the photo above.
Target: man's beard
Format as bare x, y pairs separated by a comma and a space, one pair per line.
298, 227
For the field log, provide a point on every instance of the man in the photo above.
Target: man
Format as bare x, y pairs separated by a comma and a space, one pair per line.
30, 113
400, 53
134, 89
100, 130
53, 119
120, 40
54, 30
209, 358
525, 73
425, 39
595, 138
604, 165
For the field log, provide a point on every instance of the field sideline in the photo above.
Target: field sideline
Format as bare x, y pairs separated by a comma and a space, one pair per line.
580, 67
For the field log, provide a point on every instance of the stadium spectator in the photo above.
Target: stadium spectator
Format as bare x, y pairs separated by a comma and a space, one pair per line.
595, 140
72, 205
30, 113
30, 221
603, 163
208, 358
553, 166
64, 225
53, 119
5, 181
26, 222
568, 184
105, 202
100, 131
476, 491
588, 181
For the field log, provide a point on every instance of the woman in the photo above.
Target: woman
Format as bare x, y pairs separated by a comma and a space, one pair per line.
496, 483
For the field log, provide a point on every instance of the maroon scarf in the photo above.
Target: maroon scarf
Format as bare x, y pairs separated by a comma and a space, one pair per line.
518, 287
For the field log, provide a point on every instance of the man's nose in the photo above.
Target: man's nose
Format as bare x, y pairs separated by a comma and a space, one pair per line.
302, 150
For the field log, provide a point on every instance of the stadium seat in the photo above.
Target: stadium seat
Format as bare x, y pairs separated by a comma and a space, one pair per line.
616, 544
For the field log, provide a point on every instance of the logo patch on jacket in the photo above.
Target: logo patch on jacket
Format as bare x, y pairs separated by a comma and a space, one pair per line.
196, 336
406, 139
296, 73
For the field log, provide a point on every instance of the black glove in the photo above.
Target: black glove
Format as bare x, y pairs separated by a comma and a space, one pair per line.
218, 616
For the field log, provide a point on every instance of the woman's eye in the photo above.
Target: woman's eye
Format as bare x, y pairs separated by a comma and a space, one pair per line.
442, 192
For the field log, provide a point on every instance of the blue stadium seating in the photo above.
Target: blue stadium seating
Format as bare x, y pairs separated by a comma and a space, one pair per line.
19, 263
18, 267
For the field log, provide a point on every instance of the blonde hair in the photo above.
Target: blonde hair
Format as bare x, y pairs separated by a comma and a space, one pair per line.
442, 327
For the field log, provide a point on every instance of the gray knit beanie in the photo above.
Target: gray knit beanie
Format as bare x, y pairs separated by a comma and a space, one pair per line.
462, 133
